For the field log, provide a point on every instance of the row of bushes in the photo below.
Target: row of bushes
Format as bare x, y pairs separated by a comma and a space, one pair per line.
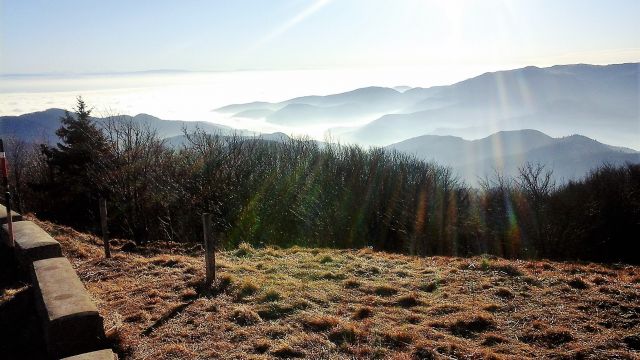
300, 192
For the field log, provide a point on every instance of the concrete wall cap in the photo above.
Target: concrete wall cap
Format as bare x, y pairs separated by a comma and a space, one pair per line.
62, 291
3, 215
28, 235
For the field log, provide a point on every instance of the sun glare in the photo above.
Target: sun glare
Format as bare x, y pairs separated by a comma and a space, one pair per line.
299, 17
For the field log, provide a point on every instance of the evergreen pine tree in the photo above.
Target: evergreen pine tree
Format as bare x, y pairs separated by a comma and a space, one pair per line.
78, 168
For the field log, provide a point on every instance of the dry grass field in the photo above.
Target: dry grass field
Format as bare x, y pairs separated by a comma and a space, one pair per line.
346, 304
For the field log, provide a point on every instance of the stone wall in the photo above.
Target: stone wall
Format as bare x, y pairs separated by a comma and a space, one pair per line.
71, 324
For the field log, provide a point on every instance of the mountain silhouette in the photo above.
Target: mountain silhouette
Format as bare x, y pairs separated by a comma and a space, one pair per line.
569, 157
40, 127
601, 102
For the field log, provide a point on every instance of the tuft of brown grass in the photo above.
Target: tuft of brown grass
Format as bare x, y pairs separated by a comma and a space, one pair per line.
445, 309
507, 269
345, 333
399, 337
270, 295
247, 288
549, 337
274, 311
494, 339
286, 351
261, 346
409, 300
425, 351
244, 250
188, 294
352, 284
166, 260
174, 351
504, 293
491, 308
277, 331
224, 282
385, 290
320, 322
547, 266
429, 287
136, 317
244, 316
468, 325
362, 312
333, 276
578, 283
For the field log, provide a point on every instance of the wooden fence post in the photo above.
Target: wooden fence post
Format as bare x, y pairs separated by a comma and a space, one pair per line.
105, 229
209, 250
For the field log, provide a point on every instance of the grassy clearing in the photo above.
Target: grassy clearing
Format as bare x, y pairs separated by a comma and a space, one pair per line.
343, 304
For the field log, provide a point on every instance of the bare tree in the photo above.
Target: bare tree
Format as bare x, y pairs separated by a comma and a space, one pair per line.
20, 156
536, 182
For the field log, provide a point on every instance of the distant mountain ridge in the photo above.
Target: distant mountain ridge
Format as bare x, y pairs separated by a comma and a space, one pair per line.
41, 126
599, 101
336, 108
34, 127
569, 157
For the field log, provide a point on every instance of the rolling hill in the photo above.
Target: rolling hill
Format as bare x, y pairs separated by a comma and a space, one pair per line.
40, 127
37, 127
569, 157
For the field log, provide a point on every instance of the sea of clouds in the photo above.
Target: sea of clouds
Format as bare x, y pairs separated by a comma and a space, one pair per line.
175, 95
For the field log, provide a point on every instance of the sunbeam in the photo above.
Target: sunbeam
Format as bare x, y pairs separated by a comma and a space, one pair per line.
308, 11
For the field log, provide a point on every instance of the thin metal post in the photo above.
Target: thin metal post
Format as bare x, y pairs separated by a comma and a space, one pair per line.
105, 228
209, 250
7, 194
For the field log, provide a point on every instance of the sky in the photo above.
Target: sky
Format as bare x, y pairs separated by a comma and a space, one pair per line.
237, 51
97, 36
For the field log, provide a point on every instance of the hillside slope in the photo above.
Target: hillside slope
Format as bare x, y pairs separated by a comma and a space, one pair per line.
345, 304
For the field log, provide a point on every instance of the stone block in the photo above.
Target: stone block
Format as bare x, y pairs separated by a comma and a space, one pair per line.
32, 243
3, 215
70, 319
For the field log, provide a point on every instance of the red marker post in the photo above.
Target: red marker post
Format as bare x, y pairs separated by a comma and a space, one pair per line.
7, 195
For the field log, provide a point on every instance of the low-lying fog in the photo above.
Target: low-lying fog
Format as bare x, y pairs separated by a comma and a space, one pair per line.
193, 95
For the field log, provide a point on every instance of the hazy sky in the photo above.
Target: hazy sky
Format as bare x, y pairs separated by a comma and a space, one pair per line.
39, 36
